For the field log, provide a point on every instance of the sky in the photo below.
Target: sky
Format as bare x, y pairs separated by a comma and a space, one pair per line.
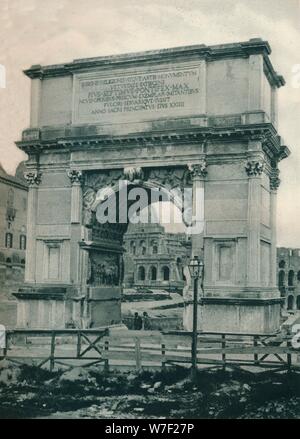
51, 32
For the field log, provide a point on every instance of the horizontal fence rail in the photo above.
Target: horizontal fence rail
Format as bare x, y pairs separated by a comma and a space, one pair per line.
112, 348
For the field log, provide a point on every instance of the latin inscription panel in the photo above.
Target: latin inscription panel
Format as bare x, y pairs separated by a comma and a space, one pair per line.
137, 96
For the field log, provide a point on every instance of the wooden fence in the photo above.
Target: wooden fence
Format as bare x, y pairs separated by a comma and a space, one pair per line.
140, 349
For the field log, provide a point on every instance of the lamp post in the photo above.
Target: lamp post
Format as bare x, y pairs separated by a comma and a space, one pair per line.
196, 269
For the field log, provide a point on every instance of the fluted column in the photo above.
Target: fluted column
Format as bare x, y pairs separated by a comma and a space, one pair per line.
76, 196
76, 178
198, 174
254, 170
33, 179
274, 184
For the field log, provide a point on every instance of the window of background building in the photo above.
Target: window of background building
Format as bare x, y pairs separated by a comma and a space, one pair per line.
141, 273
281, 278
132, 248
8, 240
154, 247
22, 242
282, 264
166, 273
143, 247
153, 273
291, 278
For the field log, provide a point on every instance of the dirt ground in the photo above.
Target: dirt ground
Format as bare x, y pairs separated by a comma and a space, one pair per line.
29, 392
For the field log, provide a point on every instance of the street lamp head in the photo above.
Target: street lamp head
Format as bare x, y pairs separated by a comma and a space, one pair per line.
196, 266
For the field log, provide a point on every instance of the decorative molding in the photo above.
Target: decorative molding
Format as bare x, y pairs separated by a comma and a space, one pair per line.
213, 52
68, 138
254, 168
33, 178
75, 176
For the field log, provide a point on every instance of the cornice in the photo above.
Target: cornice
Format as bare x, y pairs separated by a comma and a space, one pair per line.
209, 53
264, 133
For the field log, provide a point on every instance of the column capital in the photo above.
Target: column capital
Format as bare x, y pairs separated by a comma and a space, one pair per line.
75, 176
254, 168
33, 178
274, 180
198, 170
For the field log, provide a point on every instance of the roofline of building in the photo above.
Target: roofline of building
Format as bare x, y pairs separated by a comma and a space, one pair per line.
13, 181
209, 53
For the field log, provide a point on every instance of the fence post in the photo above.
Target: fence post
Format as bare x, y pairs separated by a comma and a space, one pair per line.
138, 354
52, 354
4, 349
6, 344
106, 361
163, 360
223, 353
255, 344
78, 344
289, 357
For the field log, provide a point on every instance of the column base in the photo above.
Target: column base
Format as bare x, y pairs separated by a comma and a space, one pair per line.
41, 307
58, 307
105, 306
241, 316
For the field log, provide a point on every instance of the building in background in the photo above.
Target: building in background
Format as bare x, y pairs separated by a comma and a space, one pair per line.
153, 257
288, 265
13, 220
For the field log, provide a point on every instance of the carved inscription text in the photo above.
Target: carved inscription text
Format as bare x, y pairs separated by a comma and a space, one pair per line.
100, 98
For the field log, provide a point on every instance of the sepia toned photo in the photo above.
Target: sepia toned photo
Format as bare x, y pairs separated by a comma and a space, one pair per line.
149, 212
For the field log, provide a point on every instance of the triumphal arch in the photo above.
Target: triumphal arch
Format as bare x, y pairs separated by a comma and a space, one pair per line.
199, 117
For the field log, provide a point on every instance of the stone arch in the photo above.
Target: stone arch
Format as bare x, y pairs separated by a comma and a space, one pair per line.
141, 273
153, 273
93, 197
165, 273
290, 302
291, 275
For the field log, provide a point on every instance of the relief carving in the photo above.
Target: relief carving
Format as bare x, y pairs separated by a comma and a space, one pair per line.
93, 183
132, 174
104, 269
171, 177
